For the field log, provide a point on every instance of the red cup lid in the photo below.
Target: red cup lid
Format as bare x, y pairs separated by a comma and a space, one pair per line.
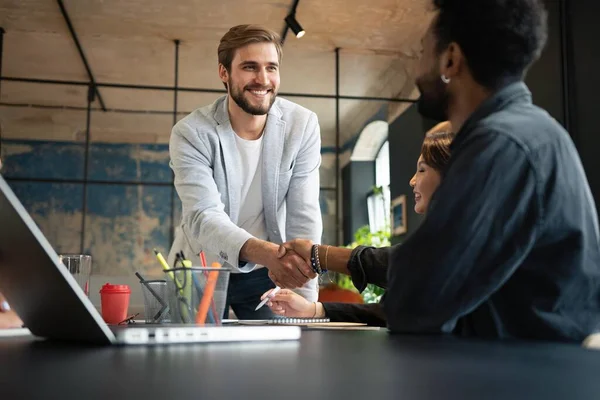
108, 288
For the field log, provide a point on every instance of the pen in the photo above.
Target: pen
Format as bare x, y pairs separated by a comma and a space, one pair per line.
269, 297
207, 297
211, 316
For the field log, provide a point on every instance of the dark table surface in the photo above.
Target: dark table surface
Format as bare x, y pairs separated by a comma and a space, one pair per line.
368, 365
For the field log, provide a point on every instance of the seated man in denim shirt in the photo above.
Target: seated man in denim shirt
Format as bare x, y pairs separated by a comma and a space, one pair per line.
510, 245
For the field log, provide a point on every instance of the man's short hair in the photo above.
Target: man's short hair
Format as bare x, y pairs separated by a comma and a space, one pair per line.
499, 38
243, 35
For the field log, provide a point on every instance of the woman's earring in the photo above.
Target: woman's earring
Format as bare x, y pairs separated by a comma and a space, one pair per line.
445, 80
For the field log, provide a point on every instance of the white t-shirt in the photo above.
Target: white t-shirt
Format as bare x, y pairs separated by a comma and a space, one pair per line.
252, 215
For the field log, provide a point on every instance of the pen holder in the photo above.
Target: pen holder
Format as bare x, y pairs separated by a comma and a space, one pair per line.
197, 295
156, 307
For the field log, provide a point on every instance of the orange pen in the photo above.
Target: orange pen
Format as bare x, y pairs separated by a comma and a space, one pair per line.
207, 297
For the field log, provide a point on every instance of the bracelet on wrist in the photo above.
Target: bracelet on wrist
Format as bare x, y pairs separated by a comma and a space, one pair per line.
315, 261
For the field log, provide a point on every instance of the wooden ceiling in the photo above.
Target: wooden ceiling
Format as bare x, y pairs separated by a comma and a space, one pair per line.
132, 42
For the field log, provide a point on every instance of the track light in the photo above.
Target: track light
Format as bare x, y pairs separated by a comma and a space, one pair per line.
291, 22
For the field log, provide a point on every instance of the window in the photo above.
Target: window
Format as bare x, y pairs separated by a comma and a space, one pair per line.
378, 202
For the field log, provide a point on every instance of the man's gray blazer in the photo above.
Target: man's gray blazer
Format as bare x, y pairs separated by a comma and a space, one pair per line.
205, 160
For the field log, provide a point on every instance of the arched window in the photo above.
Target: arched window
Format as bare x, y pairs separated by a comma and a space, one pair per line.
378, 202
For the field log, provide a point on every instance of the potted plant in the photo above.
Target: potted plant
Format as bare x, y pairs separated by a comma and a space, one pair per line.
340, 288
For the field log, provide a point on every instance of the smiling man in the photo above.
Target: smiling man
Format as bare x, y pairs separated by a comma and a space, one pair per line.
247, 172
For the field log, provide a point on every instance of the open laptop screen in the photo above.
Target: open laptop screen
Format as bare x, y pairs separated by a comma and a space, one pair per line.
39, 288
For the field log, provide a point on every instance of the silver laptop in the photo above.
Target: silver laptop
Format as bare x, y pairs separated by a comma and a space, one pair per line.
52, 305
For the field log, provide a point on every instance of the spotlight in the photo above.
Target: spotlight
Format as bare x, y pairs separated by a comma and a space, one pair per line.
290, 20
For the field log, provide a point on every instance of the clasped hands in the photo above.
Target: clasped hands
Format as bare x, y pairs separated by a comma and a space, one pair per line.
292, 267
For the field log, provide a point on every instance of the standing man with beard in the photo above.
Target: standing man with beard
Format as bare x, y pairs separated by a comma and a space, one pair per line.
510, 245
247, 172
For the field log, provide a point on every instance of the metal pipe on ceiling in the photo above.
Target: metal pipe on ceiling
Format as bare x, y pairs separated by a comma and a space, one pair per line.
173, 192
202, 90
63, 10
337, 146
86, 163
1, 53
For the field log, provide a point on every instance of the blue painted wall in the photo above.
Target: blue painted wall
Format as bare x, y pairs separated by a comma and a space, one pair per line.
128, 211
123, 222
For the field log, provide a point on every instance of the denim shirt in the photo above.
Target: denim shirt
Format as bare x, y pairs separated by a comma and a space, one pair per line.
510, 246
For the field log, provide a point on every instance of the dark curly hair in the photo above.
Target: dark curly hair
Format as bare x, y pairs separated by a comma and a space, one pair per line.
499, 38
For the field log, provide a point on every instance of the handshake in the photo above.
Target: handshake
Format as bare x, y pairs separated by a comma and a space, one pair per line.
292, 267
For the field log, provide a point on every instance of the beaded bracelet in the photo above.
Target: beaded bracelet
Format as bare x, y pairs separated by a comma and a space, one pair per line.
315, 261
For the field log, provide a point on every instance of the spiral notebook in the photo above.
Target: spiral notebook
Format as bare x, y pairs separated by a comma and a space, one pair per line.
297, 321
311, 323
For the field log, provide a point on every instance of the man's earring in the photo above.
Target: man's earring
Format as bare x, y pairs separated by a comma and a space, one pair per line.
445, 80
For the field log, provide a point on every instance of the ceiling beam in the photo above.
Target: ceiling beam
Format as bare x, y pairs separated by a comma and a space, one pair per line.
63, 10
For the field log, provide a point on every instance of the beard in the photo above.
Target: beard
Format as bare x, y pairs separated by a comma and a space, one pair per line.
240, 99
434, 100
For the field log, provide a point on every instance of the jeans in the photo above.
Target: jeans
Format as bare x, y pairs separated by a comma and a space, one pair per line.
243, 294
